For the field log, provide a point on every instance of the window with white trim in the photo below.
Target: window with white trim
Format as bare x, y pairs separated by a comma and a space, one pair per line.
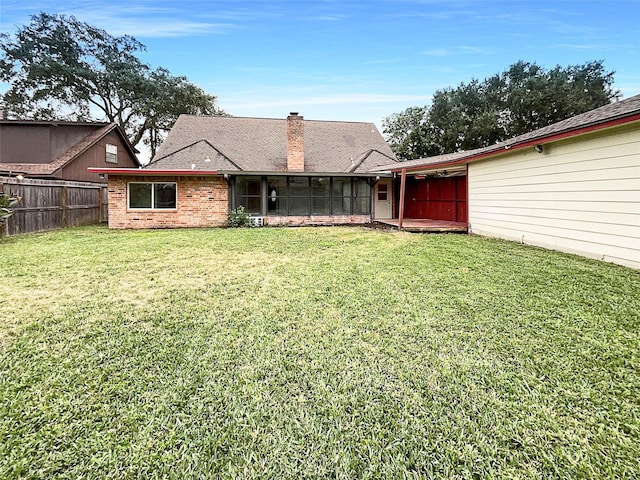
153, 195
111, 153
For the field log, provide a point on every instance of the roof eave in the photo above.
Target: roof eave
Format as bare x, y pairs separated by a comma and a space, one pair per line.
143, 172
502, 148
304, 174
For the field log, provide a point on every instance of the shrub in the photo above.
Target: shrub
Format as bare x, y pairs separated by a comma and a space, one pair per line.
7, 200
238, 217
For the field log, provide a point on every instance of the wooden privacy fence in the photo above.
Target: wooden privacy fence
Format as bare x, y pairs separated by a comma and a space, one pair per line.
53, 204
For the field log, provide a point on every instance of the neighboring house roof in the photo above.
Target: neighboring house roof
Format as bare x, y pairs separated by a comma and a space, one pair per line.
66, 157
623, 111
260, 145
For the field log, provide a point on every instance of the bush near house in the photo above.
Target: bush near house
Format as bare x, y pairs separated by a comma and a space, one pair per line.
313, 353
237, 217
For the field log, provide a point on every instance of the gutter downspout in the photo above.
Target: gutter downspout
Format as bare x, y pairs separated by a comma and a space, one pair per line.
403, 182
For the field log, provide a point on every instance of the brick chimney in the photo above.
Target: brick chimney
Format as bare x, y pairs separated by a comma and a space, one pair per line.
295, 143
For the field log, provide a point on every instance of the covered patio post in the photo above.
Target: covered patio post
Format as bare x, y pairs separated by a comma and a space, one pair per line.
403, 182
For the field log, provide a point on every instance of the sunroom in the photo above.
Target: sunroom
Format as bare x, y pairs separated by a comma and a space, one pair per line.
292, 195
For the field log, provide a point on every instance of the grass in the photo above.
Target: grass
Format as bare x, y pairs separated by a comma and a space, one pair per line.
313, 353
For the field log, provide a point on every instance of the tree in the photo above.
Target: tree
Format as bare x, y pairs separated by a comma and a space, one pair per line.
58, 67
465, 117
409, 134
523, 98
535, 98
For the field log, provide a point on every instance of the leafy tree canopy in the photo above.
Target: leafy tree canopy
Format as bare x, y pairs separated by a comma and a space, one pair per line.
521, 99
58, 67
409, 133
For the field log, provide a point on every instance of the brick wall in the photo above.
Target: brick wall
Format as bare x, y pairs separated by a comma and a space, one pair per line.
203, 201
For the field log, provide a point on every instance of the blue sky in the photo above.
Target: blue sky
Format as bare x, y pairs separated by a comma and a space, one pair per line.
354, 59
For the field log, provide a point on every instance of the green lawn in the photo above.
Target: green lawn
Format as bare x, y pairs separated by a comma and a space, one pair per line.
313, 353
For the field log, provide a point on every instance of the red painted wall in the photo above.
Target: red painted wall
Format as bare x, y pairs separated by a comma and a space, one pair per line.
437, 198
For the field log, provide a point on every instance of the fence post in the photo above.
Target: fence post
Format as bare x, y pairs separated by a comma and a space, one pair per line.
63, 204
4, 229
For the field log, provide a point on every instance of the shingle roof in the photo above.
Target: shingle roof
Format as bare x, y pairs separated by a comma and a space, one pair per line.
447, 157
260, 145
27, 168
574, 125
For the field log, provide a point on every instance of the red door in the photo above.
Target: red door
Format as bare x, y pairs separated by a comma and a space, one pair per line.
437, 198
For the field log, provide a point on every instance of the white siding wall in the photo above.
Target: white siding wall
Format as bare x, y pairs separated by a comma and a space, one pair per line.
580, 196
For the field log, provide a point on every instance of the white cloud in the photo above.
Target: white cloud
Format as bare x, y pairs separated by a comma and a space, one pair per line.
438, 52
330, 99
161, 28
329, 18
454, 51
141, 19
585, 46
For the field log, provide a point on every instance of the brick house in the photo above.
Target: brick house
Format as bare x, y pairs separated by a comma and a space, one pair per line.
283, 171
62, 150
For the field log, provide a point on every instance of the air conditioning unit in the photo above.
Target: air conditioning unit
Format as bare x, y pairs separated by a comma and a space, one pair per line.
256, 221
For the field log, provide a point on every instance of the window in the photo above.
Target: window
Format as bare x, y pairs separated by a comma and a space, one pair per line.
341, 196
302, 195
382, 192
276, 195
320, 196
160, 196
112, 153
298, 195
248, 194
362, 197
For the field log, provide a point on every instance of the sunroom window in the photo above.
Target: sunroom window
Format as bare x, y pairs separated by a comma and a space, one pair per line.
362, 196
277, 196
299, 196
302, 195
341, 196
248, 194
320, 196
